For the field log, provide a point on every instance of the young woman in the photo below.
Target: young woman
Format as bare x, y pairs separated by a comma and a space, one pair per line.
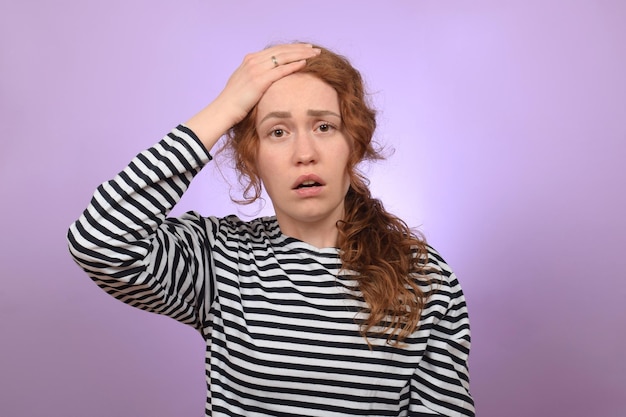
332, 307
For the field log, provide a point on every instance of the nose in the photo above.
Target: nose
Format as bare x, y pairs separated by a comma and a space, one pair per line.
305, 150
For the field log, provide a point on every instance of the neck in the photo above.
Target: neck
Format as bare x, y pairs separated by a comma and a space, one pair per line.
318, 234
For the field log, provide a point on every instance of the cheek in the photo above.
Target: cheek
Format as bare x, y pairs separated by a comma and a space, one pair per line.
348, 160
266, 165
347, 169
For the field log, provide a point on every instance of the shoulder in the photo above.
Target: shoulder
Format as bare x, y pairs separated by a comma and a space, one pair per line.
440, 278
437, 263
432, 264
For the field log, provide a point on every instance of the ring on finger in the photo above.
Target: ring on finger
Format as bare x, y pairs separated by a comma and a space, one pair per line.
274, 61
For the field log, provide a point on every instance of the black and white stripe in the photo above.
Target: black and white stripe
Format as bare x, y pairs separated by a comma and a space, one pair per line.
277, 314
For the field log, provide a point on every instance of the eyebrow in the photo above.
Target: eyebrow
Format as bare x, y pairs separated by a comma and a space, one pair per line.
287, 115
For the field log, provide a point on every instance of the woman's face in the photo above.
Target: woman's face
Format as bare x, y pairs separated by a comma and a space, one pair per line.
303, 153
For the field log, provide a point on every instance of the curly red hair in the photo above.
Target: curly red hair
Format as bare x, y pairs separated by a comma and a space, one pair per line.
388, 258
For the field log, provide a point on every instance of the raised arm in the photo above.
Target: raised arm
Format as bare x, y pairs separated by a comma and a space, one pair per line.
124, 240
246, 86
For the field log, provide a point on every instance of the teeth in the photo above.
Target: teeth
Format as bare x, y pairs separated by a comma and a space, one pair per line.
308, 183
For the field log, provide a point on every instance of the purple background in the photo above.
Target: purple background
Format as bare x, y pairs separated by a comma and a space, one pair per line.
509, 125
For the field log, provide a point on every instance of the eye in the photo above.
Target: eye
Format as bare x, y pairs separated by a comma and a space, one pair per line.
325, 127
277, 133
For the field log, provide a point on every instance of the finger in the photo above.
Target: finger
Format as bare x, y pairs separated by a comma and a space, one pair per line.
257, 63
271, 64
281, 71
258, 72
287, 54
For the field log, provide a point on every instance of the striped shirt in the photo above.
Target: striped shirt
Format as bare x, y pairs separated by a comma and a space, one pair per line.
279, 316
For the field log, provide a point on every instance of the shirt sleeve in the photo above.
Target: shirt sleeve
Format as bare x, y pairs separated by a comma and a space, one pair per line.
128, 246
440, 384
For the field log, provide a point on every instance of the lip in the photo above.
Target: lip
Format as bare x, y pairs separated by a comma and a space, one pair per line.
308, 191
307, 177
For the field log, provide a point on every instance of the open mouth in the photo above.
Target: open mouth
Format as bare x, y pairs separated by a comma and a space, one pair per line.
308, 181
308, 184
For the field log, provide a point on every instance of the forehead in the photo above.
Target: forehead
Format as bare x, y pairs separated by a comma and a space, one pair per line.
297, 92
